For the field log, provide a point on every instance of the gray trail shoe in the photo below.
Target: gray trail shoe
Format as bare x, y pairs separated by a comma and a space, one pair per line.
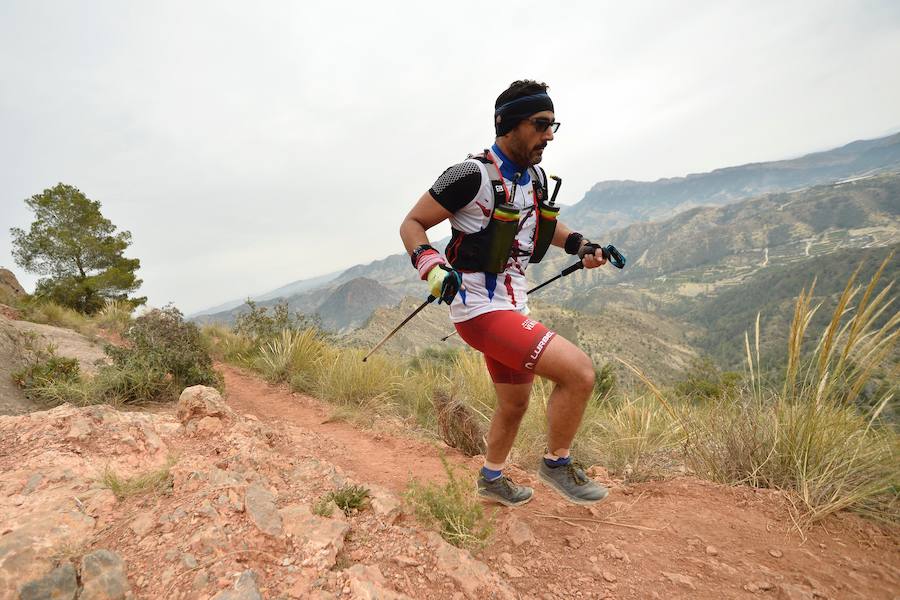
504, 491
571, 482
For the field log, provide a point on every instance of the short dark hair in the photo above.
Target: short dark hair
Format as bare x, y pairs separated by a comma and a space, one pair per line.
520, 89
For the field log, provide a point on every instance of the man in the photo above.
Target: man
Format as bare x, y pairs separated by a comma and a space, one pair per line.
488, 305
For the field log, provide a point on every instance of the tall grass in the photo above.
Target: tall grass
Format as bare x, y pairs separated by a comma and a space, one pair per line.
115, 316
292, 356
809, 436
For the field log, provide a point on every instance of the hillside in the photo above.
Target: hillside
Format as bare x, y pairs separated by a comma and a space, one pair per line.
615, 204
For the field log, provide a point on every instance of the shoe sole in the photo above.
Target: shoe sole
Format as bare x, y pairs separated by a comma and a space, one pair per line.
567, 497
501, 500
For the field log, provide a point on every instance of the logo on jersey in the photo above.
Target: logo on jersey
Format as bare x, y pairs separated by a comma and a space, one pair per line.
483, 208
529, 324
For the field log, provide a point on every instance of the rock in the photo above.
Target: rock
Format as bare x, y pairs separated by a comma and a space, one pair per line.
189, 561
614, 552
385, 504
470, 574
32, 484
59, 584
209, 426
405, 561
367, 583
103, 577
513, 572
519, 532
200, 401
246, 588
10, 284
321, 535
505, 557
712, 550
608, 577
776, 553
143, 524
80, 429
573, 541
680, 579
759, 586
201, 580
260, 504
790, 591
25, 551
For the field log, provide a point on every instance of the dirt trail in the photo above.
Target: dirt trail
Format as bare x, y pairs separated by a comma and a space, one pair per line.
682, 538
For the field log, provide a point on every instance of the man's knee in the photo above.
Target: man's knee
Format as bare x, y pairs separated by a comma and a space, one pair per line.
582, 374
567, 365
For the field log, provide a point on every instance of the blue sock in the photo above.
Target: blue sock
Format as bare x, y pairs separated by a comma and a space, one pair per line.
489, 474
559, 462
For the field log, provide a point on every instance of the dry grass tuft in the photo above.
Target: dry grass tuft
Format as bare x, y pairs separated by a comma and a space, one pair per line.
458, 425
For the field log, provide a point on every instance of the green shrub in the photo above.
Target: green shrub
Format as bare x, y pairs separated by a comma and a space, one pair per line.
704, 381
349, 497
44, 373
162, 342
262, 323
453, 509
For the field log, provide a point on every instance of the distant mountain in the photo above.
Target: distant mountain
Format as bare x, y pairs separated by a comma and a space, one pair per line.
285, 291
350, 305
703, 250
615, 204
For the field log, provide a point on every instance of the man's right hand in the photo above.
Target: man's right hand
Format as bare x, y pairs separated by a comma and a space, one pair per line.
444, 282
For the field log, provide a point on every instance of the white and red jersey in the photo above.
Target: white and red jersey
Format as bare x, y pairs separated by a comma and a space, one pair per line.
465, 189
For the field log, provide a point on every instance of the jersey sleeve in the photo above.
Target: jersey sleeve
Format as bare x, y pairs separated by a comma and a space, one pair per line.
457, 186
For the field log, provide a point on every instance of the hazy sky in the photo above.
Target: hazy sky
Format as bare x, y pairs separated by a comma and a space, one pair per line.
247, 145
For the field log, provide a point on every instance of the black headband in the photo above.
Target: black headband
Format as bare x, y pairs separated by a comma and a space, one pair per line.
508, 115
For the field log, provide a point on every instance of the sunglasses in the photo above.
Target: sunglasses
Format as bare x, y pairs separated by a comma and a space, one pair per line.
541, 124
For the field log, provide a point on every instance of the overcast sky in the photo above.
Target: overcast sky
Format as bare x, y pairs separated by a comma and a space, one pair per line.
247, 145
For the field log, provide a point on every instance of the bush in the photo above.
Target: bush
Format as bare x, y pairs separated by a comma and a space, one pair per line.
453, 508
162, 344
348, 498
704, 381
261, 323
47, 371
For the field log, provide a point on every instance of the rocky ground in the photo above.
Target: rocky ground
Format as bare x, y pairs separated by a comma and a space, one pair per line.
234, 520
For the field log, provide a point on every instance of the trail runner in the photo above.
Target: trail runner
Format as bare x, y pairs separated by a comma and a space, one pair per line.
488, 305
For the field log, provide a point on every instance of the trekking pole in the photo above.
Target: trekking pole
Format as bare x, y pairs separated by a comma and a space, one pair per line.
610, 253
428, 301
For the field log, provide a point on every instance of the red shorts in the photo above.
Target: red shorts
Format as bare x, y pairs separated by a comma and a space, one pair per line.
512, 343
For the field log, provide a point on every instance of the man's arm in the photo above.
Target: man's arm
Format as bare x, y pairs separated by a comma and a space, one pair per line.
424, 215
562, 233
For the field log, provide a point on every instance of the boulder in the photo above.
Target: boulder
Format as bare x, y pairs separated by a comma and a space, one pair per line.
367, 583
474, 577
58, 584
199, 401
322, 536
260, 505
10, 285
103, 577
246, 588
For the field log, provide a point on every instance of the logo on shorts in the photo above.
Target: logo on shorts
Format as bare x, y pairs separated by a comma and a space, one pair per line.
529, 324
536, 354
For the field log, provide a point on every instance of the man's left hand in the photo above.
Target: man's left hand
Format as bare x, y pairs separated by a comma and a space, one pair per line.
592, 255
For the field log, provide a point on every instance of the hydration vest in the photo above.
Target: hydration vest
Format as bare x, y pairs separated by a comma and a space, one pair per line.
490, 249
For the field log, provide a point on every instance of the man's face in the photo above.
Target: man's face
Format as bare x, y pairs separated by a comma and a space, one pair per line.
528, 139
